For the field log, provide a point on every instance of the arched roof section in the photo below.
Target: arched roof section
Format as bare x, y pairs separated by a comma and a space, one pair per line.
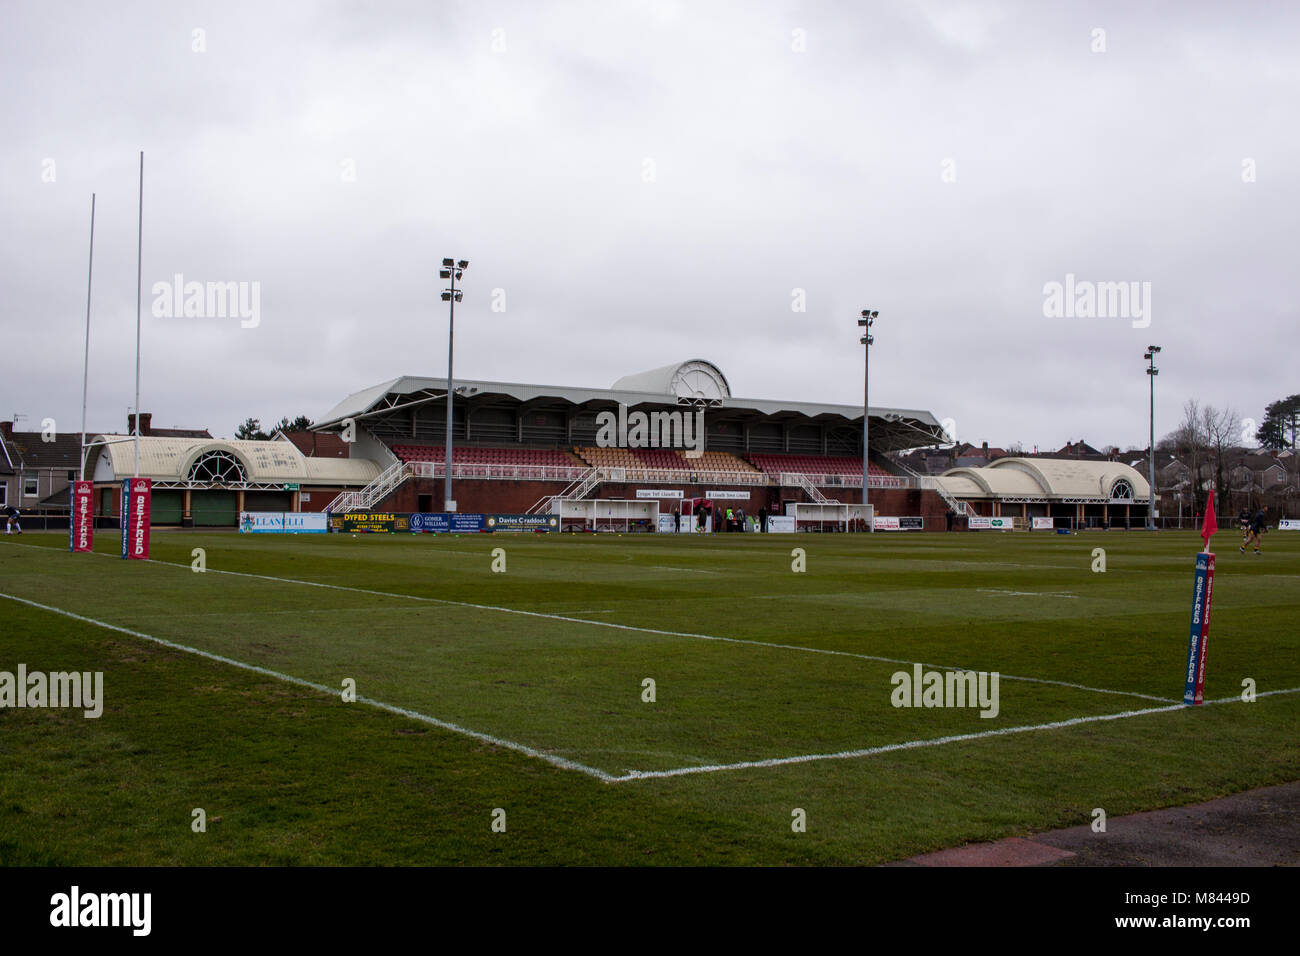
694, 379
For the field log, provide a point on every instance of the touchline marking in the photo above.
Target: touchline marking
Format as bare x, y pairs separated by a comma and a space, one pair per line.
917, 744
629, 627
330, 691
1006, 593
630, 775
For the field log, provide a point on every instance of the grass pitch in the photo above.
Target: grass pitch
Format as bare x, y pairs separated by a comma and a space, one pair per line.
523, 691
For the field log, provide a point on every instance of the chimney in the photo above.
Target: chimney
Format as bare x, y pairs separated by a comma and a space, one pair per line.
7, 429
985, 446
145, 419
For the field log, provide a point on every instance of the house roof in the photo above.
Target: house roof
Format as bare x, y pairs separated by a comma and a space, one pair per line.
62, 451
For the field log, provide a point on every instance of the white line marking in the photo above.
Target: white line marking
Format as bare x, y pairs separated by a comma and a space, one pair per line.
629, 775
632, 627
1005, 592
662, 567
917, 744
330, 691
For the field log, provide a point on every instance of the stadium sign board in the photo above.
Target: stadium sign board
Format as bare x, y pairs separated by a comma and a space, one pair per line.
1289, 524
522, 523
780, 524
371, 521
728, 495
984, 523
446, 523
283, 522
658, 493
1044, 524
910, 523
136, 501
81, 527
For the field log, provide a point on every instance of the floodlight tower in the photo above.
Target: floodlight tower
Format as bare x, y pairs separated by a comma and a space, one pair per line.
867, 320
1152, 372
453, 270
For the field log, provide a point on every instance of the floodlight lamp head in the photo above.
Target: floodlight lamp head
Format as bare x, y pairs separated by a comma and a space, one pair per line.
448, 263
459, 294
1154, 348
446, 297
459, 273
444, 274
463, 264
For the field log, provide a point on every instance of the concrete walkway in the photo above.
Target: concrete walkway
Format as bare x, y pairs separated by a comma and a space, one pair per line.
1255, 828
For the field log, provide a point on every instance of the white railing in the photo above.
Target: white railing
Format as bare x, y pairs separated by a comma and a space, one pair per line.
683, 476
799, 480
498, 472
579, 488
829, 480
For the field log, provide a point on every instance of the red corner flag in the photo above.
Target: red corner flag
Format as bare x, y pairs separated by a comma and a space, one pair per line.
1209, 525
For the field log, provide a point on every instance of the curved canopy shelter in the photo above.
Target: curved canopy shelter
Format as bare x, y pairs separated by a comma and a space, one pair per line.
1067, 481
206, 463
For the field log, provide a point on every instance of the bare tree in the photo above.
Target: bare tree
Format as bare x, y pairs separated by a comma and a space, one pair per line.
1221, 428
1188, 442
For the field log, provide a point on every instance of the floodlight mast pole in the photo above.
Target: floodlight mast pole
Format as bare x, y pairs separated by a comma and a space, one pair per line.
1152, 372
85, 369
453, 270
868, 319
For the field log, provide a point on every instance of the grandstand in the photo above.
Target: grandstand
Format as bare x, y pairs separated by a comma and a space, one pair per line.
522, 448
533, 448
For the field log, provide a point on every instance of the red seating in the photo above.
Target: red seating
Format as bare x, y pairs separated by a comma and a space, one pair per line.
814, 465
469, 455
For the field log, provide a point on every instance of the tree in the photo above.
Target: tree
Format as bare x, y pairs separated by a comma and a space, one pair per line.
1221, 429
251, 430
1188, 442
1281, 420
300, 424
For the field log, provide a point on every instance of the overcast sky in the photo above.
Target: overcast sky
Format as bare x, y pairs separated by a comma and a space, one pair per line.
651, 182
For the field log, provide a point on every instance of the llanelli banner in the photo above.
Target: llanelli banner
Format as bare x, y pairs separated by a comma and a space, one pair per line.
81, 525
283, 522
136, 498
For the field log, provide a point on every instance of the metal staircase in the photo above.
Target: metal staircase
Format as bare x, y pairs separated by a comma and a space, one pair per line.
928, 483
376, 491
578, 489
801, 481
